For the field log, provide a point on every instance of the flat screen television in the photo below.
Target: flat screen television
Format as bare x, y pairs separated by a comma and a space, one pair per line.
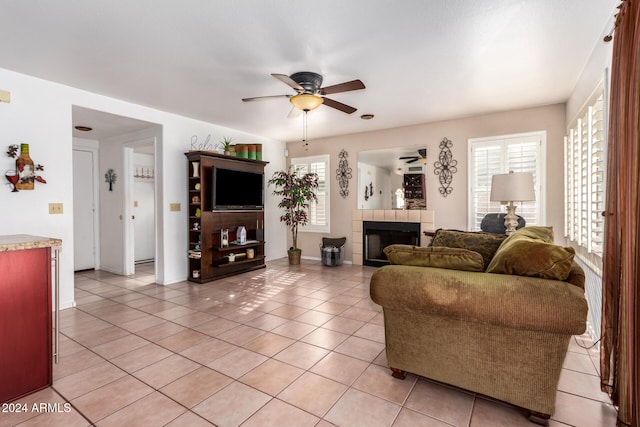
237, 190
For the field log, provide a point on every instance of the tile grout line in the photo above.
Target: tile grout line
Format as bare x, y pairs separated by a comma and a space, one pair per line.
234, 379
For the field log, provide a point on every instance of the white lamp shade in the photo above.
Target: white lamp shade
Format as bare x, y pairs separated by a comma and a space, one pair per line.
513, 187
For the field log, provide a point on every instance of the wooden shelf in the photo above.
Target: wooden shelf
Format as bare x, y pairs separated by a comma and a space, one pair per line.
235, 246
213, 262
255, 259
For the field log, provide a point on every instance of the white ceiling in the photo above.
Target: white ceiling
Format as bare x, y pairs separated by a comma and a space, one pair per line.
420, 60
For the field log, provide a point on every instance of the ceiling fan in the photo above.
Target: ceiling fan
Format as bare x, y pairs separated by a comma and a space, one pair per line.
422, 157
310, 94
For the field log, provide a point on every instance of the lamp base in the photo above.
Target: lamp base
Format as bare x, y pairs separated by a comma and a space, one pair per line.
511, 219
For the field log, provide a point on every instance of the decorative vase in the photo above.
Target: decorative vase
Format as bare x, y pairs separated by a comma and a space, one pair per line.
251, 151
25, 169
242, 151
196, 169
241, 235
294, 256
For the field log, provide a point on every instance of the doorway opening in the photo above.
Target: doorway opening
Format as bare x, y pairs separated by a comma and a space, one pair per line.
112, 206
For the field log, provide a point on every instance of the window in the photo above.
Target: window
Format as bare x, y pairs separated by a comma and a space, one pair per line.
585, 176
318, 212
497, 155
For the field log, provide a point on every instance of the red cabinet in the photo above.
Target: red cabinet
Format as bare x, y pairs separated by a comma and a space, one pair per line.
25, 322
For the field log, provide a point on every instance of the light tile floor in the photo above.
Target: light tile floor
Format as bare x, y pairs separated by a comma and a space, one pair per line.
283, 346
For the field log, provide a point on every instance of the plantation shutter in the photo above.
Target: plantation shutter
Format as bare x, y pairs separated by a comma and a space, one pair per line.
522, 156
597, 173
318, 213
487, 160
489, 156
584, 179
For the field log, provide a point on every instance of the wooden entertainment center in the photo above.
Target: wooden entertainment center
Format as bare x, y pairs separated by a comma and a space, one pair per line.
209, 257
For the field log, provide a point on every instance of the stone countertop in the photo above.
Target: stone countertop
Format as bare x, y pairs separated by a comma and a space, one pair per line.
19, 242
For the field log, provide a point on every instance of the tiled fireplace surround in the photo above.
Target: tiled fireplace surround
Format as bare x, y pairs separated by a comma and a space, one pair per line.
424, 217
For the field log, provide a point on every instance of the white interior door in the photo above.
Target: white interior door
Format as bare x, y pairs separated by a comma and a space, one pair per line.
144, 208
83, 210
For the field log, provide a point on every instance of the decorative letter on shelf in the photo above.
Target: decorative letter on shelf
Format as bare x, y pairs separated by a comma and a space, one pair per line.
343, 174
445, 167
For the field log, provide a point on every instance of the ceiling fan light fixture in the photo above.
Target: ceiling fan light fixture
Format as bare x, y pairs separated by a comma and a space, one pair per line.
306, 101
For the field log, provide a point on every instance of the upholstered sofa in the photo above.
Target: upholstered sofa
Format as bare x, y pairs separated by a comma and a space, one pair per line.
499, 327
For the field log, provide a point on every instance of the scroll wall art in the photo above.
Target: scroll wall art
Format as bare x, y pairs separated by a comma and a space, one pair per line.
343, 174
445, 167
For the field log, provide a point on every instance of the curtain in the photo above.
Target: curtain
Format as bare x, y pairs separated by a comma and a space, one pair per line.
620, 364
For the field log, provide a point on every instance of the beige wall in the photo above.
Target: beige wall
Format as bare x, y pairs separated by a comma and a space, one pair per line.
450, 212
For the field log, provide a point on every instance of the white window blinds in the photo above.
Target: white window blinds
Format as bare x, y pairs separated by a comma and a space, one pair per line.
497, 155
584, 177
318, 212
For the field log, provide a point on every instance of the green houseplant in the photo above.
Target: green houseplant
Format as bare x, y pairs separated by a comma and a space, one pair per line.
297, 192
225, 143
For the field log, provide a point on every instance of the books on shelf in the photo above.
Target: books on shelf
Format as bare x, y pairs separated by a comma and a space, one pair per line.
195, 254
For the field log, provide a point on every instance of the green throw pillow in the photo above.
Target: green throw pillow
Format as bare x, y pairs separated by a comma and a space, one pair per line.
528, 253
486, 244
536, 232
450, 258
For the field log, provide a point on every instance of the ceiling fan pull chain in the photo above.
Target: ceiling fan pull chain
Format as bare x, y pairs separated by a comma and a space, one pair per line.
304, 130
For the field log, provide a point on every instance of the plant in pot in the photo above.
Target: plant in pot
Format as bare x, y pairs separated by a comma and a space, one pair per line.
225, 143
297, 192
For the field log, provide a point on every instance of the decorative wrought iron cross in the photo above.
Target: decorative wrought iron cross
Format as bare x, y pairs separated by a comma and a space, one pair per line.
445, 167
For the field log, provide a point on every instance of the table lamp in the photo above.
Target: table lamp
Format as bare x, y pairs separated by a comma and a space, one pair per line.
512, 187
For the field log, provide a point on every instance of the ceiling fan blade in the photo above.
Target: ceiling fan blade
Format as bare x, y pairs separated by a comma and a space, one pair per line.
339, 106
412, 161
408, 157
288, 81
422, 152
342, 87
255, 98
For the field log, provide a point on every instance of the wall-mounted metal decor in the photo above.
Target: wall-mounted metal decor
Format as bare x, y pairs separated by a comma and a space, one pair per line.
26, 172
110, 177
343, 174
445, 167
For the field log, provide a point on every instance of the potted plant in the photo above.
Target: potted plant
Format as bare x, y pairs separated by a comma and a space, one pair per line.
225, 142
297, 193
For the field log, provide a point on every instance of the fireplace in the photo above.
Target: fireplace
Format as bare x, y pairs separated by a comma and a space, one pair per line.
378, 235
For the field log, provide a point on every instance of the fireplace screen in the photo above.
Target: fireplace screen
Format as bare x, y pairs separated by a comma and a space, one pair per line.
378, 235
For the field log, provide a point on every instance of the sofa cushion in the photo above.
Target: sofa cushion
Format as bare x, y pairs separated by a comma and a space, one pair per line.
537, 232
530, 253
486, 244
440, 257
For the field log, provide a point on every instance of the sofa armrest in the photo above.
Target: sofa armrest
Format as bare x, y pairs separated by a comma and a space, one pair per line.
520, 302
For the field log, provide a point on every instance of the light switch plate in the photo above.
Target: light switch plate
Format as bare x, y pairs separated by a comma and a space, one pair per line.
174, 207
55, 208
5, 96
